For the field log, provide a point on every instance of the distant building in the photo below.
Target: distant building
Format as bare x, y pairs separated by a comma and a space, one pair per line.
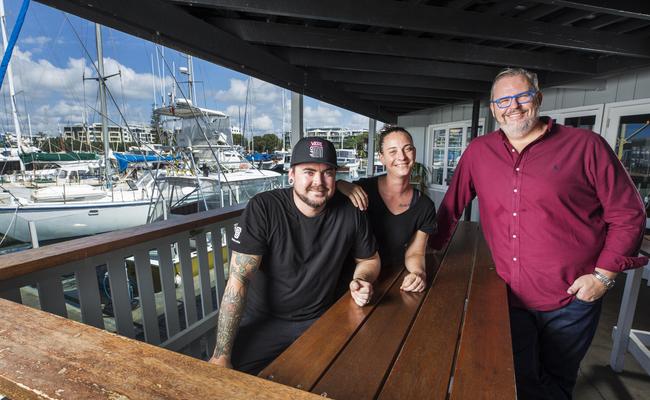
138, 133
333, 134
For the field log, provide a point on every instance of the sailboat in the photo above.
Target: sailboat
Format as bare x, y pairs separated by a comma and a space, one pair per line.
65, 211
199, 182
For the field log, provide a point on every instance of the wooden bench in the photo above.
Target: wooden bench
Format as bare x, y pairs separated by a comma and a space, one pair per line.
44, 356
453, 339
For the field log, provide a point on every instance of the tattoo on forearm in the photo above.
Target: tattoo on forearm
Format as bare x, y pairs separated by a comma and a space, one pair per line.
242, 267
230, 314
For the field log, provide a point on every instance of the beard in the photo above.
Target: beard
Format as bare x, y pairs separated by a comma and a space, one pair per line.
311, 203
519, 129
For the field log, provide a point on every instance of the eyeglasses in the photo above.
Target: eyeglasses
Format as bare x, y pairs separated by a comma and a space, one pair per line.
520, 98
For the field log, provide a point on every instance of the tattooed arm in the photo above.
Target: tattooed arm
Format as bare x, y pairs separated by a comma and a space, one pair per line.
242, 268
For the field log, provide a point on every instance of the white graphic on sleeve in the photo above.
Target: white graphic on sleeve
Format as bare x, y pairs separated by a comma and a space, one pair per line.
235, 237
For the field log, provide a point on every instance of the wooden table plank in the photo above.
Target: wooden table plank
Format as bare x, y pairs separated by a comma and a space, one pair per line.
424, 365
484, 367
323, 341
359, 371
46, 356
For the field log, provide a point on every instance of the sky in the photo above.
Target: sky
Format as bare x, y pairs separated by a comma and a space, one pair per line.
55, 51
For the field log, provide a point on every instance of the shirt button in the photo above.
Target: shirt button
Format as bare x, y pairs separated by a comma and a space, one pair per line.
514, 258
515, 190
517, 169
514, 214
514, 236
513, 150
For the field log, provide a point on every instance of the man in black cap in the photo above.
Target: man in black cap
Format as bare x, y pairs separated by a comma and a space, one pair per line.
288, 252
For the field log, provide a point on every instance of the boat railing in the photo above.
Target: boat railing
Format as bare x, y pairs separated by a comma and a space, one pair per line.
159, 283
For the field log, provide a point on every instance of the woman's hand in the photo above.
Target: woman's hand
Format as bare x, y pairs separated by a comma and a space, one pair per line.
357, 196
414, 282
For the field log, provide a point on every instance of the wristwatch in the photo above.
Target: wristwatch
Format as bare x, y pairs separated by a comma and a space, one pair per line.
609, 283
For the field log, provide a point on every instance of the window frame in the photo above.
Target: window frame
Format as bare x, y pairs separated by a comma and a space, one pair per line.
430, 143
560, 115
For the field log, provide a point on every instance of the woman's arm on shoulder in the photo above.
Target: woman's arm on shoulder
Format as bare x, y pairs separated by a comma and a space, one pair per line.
355, 193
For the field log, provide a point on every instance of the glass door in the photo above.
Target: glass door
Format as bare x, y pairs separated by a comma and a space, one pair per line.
628, 131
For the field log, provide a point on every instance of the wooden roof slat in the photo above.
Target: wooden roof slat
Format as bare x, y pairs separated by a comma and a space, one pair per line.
624, 8
376, 78
387, 90
390, 14
390, 64
367, 43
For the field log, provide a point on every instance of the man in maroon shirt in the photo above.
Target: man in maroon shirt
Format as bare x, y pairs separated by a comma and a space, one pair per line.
562, 219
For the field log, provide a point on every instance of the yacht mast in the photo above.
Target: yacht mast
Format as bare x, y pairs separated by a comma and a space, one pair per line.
190, 80
102, 99
10, 78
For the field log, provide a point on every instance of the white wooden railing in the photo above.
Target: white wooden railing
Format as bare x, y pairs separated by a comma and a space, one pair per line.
152, 291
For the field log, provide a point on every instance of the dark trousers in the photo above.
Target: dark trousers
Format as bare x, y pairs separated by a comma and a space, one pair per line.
548, 347
260, 340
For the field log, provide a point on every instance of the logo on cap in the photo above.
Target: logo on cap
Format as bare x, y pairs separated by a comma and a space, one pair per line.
316, 149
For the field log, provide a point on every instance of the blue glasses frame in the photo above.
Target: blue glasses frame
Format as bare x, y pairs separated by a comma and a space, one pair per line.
517, 97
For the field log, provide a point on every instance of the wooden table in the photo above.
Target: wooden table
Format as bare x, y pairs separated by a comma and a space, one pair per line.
44, 356
452, 339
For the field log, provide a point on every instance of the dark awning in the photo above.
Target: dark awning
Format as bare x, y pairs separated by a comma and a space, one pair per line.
383, 58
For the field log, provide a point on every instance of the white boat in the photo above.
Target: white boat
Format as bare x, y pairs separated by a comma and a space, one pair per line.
205, 132
347, 159
67, 211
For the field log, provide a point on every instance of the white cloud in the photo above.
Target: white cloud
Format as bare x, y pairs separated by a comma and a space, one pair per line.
36, 40
262, 123
358, 121
260, 92
236, 93
321, 115
54, 94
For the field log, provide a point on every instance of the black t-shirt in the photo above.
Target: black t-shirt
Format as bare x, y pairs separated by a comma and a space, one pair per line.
302, 257
394, 232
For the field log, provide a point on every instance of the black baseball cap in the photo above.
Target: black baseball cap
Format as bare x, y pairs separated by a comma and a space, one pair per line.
313, 150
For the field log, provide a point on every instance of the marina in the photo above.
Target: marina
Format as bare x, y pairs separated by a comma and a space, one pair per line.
115, 246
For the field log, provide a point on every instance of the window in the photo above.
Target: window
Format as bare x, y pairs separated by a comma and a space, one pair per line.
446, 144
586, 117
584, 122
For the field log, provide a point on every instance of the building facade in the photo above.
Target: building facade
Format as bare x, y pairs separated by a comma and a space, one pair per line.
138, 133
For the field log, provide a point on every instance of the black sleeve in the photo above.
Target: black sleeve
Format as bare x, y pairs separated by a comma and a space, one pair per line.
427, 223
251, 233
364, 240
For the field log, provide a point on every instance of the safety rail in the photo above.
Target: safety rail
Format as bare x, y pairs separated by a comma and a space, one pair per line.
157, 283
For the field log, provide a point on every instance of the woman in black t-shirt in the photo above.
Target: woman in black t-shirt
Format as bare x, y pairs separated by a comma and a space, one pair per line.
401, 217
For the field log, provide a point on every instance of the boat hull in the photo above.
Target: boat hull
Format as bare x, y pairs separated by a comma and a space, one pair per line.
66, 221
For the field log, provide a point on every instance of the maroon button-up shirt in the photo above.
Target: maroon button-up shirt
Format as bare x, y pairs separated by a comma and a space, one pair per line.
550, 214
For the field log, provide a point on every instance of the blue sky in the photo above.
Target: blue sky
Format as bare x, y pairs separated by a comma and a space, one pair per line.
49, 63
